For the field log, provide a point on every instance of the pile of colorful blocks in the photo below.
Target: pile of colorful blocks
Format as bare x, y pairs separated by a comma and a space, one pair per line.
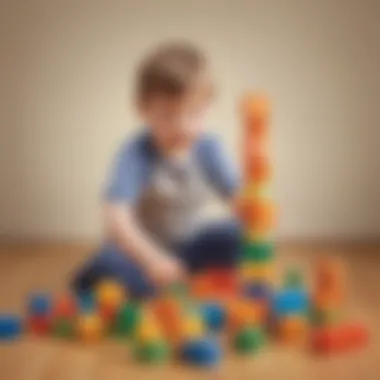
185, 321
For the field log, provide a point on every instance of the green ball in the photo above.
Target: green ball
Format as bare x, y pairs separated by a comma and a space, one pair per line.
152, 352
249, 340
261, 252
127, 319
63, 328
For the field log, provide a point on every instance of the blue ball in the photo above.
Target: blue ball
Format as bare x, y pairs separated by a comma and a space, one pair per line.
10, 326
204, 352
214, 315
39, 304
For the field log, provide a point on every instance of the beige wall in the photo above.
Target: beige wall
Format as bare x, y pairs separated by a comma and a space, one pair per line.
66, 65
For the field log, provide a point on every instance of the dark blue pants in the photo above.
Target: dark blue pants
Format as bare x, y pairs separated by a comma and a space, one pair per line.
217, 245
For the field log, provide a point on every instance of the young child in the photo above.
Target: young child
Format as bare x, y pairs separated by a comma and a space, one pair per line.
157, 186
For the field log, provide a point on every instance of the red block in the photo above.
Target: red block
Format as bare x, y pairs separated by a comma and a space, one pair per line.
65, 307
39, 325
342, 338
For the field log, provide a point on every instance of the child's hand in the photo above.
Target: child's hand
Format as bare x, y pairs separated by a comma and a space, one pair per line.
165, 270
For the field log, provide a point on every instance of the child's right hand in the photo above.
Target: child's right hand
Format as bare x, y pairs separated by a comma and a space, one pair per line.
165, 270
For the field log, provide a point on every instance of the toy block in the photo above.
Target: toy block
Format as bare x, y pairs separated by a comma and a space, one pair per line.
293, 329
341, 338
63, 328
257, 272
204, 352
65, 307
89, 327
256, 236
148, 330
152, 352
260, 252
330, 279
256, 115
169, 314
39, 304
215, 284
214, 315
11, 327
127, 319
254, 146
242, 312
258, 216
87, 303
256, 191
258, 169
39, 324
292, 301
258, 291
110, 294
192, 327
326, 317
249, 340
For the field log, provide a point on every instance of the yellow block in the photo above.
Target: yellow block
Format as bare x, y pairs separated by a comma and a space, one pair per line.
110, 293
192, 327
249, 271
256, 191
148, 329
258, 236
90, 327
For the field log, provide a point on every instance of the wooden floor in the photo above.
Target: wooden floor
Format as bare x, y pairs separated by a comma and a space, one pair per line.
26, 268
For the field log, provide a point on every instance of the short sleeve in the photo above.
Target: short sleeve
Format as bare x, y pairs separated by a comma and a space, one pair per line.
218, 166
126, 177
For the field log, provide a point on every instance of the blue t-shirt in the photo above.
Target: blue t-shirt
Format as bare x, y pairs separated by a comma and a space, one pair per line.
167, 194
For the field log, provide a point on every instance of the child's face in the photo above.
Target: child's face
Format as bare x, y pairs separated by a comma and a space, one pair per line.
175, 122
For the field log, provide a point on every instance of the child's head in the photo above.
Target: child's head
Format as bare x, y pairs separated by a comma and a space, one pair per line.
173, 93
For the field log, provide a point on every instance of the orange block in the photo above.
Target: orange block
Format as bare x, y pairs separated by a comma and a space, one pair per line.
243, 312
330, 282
256, 114
258, 169
169, 314
293, 329
343, 338
215, 284
258, 216
65, 306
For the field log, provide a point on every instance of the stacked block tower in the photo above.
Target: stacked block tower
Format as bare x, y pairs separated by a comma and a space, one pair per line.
256, 205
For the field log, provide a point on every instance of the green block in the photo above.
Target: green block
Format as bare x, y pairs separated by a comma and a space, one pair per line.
152, 352
249, 340
63, 328
293, 279
258, 251
127, 319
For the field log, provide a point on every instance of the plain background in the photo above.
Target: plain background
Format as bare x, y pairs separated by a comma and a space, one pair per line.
67, 68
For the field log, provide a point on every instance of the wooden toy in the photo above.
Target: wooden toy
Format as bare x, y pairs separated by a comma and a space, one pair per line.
89, 327
10, 327
249, 339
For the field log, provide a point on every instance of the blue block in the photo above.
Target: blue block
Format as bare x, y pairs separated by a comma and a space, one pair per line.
291, 301
39, 304
10, 326
258, 291
204, 352
214, 315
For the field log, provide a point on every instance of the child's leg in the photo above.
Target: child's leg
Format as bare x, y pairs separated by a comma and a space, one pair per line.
110, 262
215, 246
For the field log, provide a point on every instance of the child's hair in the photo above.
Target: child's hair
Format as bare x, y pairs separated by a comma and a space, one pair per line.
171, 70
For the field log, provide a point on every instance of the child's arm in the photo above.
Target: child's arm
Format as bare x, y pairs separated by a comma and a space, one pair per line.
122, 228
126, 182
